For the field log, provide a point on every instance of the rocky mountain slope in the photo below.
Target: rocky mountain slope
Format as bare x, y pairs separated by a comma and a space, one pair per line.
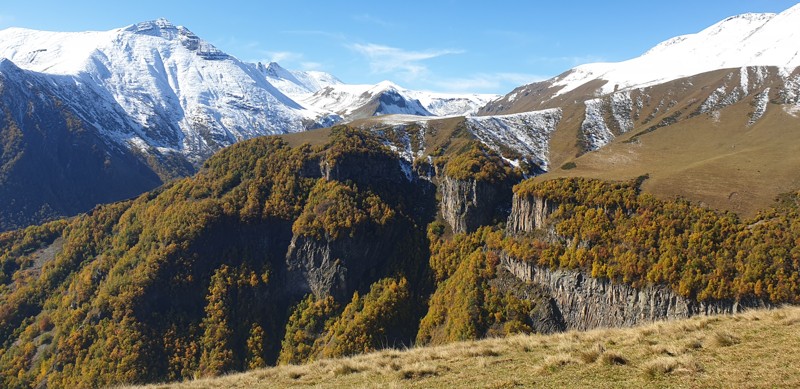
53, 161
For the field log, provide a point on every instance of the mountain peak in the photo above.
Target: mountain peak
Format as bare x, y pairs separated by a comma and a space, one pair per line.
6, 65
158, 27
387, 85
276, 70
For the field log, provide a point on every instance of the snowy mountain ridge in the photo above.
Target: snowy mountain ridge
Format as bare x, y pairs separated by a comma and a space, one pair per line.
181, 93
296, 84
351, 100
753, 39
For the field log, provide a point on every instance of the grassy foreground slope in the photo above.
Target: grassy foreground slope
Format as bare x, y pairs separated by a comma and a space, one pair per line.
753, 349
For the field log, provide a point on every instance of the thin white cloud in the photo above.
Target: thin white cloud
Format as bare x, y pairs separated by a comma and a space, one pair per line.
309, 65
283, 56
370, 19
486, 82
404, 64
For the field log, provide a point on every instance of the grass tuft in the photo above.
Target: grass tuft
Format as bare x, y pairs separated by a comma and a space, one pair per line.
659, 366
591, 355
483, 352
419, 370
723, 339
612, 358
554, 362
345, 368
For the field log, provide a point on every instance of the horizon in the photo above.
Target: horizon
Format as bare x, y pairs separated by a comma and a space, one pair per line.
489, 51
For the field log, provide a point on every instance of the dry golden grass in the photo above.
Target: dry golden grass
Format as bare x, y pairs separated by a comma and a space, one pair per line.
716, 161
753, 349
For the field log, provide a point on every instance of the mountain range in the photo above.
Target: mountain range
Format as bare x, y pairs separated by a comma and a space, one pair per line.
612, 195
162, 99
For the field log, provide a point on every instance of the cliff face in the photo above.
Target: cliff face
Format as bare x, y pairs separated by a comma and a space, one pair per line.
586, 303
367, 169
529, 213
339, 267
545, 317
468, 204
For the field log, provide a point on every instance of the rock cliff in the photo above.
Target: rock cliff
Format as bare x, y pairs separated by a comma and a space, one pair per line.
529, 213
586, 303
338, 267
468, 204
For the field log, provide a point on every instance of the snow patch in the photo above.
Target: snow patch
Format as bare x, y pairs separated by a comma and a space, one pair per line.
744, 79
405, 166
527, 134
594, 131
790, 93
621, 110
760, 104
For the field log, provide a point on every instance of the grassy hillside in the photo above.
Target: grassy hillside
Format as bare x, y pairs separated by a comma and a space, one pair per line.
721, 163
754, 349
691, 140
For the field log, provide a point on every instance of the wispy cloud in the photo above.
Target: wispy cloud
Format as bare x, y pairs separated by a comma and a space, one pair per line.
309, 65
486, 82
405, 64
282, 56
371, 19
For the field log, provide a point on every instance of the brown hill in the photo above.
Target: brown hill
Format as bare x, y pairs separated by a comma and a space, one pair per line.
727, 138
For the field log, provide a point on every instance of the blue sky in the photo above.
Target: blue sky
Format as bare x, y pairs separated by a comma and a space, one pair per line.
487, 46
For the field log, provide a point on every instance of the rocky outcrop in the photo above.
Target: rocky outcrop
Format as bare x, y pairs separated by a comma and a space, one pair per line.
585, 302
341, 266
544, 316
365, 169
468, 204
529, 214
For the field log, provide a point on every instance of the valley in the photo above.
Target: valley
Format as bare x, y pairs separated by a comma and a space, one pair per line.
194, 215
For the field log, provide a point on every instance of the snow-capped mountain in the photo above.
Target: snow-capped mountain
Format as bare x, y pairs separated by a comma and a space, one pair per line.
706, 115
354, 101
744, 40
452, 104
179, 92
359, 101
145, 103
297, 84
748, 40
